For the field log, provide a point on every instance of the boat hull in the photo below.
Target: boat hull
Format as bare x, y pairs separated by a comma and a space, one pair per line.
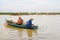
20, 26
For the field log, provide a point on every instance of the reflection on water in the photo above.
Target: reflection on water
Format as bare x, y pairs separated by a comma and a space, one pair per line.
20, 31
48, 28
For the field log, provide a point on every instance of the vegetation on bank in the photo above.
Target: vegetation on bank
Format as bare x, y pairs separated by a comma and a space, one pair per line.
26, 13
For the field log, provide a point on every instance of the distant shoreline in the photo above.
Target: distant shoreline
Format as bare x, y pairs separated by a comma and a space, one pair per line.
26, 13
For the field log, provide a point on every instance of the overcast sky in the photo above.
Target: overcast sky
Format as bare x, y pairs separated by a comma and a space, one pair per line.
29, 5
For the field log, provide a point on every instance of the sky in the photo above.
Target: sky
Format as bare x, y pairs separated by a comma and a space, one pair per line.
29, 5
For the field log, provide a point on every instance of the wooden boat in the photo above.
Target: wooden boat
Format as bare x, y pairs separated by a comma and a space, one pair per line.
20, 26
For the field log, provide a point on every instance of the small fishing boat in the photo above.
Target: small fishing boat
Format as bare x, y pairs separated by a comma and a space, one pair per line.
20, 26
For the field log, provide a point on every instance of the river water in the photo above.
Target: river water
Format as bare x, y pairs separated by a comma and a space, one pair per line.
48, 28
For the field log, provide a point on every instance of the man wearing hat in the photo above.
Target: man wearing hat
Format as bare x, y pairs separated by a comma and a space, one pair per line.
29, 23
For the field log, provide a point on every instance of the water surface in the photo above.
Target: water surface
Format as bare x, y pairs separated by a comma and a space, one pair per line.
48, 28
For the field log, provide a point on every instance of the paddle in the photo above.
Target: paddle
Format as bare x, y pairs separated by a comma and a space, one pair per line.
18, 14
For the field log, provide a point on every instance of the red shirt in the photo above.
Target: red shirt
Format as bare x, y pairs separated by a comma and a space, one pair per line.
19, 21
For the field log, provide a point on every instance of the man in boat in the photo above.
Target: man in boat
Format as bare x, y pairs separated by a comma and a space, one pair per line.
20, 21
29, 23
